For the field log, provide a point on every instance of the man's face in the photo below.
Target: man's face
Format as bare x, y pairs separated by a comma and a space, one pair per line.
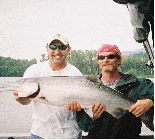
57, 56
108, 64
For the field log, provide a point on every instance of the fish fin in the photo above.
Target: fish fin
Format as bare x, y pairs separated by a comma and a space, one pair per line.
89, 111
148, 119
93, 79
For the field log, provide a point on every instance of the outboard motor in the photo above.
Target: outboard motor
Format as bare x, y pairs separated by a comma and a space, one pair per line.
142, 19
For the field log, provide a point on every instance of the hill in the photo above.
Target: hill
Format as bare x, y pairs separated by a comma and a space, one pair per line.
142, 50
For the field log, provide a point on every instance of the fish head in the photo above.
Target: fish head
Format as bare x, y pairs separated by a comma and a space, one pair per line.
27, 87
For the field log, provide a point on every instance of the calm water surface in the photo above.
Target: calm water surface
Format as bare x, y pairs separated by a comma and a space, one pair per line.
15, 119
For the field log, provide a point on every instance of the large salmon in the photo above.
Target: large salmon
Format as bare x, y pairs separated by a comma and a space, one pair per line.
86, 90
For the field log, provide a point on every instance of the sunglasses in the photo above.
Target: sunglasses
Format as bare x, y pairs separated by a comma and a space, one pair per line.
110, 56
61, 47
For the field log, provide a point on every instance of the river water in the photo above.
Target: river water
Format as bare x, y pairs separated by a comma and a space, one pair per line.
15, 119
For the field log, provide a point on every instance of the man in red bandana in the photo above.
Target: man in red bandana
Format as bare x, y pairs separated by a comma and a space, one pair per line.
141, 90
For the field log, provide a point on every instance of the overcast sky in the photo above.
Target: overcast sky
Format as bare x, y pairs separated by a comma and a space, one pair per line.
26, 25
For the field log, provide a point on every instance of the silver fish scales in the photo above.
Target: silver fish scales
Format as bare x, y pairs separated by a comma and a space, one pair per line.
86, 90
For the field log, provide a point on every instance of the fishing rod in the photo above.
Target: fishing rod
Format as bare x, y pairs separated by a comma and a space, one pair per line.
149, 52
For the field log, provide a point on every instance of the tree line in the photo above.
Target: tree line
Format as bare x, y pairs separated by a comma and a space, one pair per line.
85, 61
10, 67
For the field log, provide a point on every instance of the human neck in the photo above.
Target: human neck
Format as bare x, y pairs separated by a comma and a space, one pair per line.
57, 67
109, 77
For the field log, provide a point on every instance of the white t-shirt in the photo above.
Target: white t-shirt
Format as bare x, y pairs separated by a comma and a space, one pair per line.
53, 122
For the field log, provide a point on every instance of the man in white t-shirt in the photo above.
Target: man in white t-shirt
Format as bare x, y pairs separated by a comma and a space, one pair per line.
52, 121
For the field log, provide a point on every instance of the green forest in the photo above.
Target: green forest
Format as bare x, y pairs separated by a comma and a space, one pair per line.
83, 60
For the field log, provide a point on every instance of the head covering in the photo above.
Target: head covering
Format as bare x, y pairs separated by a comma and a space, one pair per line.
109, 48
59, 37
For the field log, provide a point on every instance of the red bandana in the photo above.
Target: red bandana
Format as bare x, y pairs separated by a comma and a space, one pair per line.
109, 48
